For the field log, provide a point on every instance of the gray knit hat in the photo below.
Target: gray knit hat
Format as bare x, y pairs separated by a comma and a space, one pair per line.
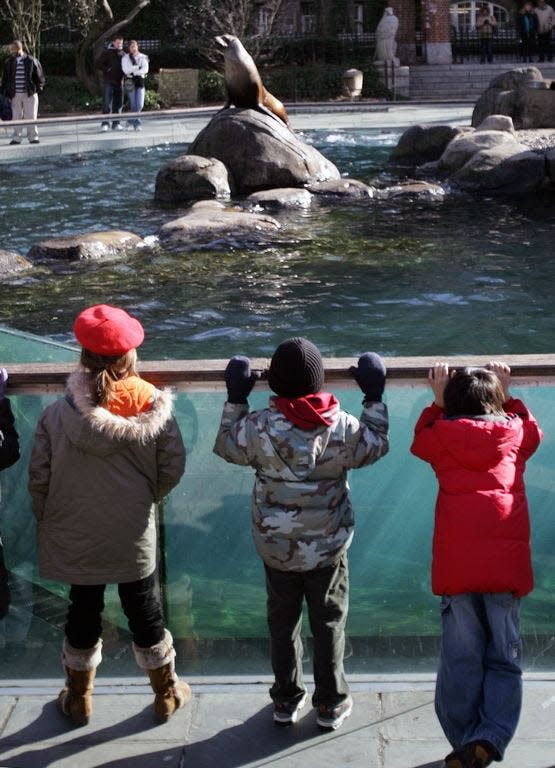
296, 369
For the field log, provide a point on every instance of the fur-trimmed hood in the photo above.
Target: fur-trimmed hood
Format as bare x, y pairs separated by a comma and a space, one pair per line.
96, 430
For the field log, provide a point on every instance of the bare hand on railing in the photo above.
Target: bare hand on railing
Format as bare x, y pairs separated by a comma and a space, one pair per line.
438, 376
503, 373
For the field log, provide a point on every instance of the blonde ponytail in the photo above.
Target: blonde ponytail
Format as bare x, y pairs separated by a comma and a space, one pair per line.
106, 371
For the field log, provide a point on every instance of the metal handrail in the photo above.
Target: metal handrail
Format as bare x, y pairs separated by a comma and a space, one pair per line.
208, 375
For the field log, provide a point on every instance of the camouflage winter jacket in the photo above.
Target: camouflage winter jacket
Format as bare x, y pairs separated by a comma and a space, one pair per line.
302, 517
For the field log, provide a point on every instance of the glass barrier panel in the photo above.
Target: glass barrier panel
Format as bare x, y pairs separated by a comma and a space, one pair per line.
212, 580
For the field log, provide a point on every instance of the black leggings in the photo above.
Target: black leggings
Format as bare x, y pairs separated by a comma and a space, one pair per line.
138, 600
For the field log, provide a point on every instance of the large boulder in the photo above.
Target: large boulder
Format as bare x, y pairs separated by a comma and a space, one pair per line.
459, 151
501, 171
260, 152
522, 94
189, 177
423, 143
93, 245
212, 220
11, 262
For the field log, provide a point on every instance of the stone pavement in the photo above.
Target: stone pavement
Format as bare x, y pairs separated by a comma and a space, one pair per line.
229, 725
77, 136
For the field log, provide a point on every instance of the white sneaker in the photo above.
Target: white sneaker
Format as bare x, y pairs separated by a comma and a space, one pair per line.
118, 127
138, 127
103, 128
287, 712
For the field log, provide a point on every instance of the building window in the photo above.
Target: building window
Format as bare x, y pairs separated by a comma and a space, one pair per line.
308, 18
463, 15
358, 20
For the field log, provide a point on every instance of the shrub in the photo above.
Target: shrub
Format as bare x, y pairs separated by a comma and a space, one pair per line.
211, 86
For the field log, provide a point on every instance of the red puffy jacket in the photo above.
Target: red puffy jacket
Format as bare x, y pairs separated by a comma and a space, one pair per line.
482, 529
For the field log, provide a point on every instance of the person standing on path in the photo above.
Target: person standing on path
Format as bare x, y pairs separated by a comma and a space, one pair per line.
546, 21
109, 63
135, 69
485, 24
103, 456
478, 438
22, 81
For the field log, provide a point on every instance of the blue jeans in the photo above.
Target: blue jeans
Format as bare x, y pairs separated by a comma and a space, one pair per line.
136, 103
112, 101
479, 680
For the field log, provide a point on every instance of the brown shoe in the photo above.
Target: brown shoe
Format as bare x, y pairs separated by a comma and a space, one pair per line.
475, 754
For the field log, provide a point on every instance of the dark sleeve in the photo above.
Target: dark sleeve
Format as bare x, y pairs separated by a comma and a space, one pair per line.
9, 439
38, 76
100, 63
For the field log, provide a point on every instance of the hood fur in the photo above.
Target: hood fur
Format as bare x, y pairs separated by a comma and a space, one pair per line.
141, 428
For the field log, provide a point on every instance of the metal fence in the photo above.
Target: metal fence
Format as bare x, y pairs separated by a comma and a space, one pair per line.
506, 45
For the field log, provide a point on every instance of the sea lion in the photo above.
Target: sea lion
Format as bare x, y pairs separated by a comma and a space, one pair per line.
243, 83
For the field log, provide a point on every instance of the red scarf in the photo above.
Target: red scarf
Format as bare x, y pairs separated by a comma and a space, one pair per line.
310, 411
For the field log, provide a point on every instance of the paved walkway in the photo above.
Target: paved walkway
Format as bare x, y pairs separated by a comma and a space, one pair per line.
75, 137
230, 726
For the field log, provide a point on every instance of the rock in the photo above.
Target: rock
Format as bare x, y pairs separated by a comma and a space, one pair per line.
290, 197
534, 108
421, 190
350, 189
497, 123
463, 147
189, 177
212, 219
522, 94
260, 152
501, 171
92, 245
550, 164
422, 143
11, 262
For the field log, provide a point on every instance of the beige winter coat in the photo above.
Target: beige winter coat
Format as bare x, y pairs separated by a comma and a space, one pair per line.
94, 478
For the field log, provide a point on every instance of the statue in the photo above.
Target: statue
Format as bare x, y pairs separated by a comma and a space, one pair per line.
386, 47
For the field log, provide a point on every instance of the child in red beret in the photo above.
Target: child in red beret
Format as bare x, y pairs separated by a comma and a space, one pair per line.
103, 456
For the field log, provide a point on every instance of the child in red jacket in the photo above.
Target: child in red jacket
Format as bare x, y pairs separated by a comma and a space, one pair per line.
477, 439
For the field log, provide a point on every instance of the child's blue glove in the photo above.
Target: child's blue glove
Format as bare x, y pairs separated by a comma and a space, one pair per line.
370, 375
3, 383
239, 379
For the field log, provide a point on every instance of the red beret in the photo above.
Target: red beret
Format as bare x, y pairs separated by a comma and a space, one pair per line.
107, 330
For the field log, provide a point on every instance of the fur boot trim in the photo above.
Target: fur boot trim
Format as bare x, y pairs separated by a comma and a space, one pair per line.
81, 659
156, 656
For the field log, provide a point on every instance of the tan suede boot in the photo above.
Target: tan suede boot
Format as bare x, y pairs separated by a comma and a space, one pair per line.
75, 698
159, 663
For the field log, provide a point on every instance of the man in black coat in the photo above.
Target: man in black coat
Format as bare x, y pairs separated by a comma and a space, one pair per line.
109, 62
22, 81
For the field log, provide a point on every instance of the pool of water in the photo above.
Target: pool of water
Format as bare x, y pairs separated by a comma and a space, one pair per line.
415, 278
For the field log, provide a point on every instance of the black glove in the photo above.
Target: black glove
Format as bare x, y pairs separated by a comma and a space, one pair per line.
370, 375
239, 379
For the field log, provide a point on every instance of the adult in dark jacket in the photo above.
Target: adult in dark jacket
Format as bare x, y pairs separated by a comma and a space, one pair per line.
22, 81
9, 454
527, 25
109, 63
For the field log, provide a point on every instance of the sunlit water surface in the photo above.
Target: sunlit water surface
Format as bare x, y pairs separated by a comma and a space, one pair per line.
402, 277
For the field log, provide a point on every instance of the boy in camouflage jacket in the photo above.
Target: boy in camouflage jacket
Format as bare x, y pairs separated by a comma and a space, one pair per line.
301, 447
